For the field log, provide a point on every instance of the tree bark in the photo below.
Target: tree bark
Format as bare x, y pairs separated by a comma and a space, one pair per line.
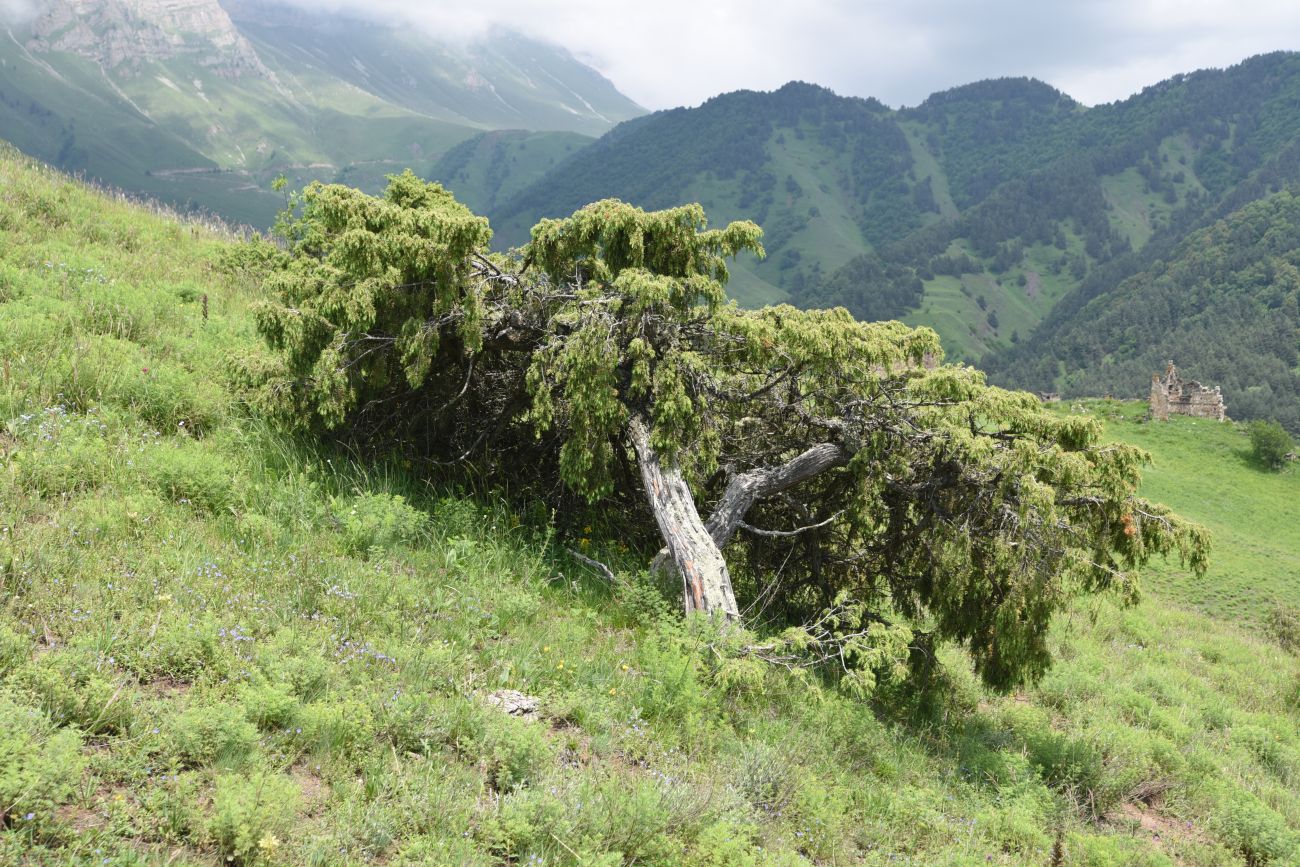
746, 489
706, 580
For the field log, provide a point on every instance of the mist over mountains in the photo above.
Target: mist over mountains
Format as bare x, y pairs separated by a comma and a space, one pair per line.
202, 103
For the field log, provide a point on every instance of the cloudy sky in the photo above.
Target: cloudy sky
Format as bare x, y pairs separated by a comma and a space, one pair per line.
665, 53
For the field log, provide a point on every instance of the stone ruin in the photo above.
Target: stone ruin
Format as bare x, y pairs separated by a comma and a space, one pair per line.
1169, 394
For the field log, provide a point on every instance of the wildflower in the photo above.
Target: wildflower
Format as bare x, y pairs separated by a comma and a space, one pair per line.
269, 843
613, 691
546, 648
560, 666
626, 667
164, 598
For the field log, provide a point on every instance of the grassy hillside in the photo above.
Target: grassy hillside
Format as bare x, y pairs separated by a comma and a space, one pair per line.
492, 166
222, 645
1204, 469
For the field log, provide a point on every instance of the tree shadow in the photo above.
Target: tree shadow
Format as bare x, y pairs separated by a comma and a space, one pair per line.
1247, 458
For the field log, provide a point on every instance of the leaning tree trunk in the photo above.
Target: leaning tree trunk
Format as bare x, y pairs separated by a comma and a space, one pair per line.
705, 578
746, 489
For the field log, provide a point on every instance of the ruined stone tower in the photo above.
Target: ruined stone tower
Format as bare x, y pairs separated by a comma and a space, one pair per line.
1169, 394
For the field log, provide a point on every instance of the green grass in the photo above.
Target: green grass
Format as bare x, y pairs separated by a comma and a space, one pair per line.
220, 644
951, 306
1204, 470
493, 166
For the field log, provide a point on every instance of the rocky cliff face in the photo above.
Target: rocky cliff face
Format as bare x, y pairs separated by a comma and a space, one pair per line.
121, 35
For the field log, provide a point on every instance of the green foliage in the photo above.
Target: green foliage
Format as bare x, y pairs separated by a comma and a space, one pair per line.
1283, 624
252, 815
270, 707
207, 734
342, 727
517, 753
369, 275
183, 473
40, 766
75, 690
1269, 443
377, 521
1253, 830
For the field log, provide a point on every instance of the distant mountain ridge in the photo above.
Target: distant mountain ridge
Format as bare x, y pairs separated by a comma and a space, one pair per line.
999, 212
205, 101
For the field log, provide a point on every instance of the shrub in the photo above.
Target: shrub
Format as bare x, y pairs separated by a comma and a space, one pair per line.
1251, 828
337, 727
421, 723
1269, 443
251, 815
39, 766
269, 706
1283, 624
377, 521
61, 452
1265, 747
70, 687
764, 776
14, 648
179, 649
187, 472
517, 753
206, 734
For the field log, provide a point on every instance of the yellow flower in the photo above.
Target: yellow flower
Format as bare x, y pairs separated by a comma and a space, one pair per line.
587, 530
164, 598
625, 666
584, 542
546, 648
269, 843
560, 666
612, 691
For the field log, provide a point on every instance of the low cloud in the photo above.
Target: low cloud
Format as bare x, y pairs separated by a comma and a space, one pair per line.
13, 11
680, 52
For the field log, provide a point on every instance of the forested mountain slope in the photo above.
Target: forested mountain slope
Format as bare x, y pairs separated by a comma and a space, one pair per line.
1227, 300
977, 212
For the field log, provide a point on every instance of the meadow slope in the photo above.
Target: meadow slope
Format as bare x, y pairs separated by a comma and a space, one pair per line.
220, 644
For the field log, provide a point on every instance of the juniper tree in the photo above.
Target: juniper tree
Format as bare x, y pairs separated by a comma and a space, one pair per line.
835, 460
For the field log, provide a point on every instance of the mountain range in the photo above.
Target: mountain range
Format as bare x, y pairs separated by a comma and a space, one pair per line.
202, 103
1057, 245
1043, 239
